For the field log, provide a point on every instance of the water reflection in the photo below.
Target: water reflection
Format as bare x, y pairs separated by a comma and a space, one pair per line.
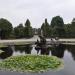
28, 49
71, 49
43, 49
7, 52
24, 48
58, 51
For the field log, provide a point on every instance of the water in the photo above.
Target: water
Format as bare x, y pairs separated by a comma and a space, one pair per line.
65, 52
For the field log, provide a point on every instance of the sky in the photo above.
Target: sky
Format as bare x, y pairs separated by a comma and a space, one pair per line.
18, 11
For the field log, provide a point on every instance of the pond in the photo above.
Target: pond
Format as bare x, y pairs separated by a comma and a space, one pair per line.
64, 52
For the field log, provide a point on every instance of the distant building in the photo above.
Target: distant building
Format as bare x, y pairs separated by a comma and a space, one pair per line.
35, 31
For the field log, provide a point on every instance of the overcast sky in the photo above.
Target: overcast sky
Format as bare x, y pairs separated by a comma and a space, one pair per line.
17, 11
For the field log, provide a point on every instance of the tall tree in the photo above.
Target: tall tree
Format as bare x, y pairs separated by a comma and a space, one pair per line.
5, 28
57, 25
28, 31
73, 21
57, 21
68, 30
19, 31
73, 28
45, 29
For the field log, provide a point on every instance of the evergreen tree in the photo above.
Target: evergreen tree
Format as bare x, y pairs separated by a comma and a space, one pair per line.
72, 27
28, 31
19, 31
68, 30
5, 28
46, 29
57, 25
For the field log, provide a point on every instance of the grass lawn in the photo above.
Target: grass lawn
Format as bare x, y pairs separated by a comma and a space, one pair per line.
31, 63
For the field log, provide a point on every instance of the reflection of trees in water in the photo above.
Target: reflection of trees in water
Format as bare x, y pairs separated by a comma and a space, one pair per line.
24, 48
7, 52
71, 49
28, 49
44, 50
58, 51
21, 49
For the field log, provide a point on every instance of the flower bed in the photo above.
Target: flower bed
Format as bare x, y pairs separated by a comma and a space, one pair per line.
32, 63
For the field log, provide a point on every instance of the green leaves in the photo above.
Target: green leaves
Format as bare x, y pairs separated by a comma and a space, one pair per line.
25, 31
46, 31
57, 26
34, 63
5, 28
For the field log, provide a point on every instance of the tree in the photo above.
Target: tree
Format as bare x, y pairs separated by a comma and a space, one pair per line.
73, 21
73, 28
68, 30
27, 24
5, 28
45, 29
19, 31
57, 21
57, 25
28, 31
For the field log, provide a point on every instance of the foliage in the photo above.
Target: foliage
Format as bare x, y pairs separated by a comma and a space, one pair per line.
57, 21
70, 29
73, 28
45, 29
32, 63
23, 32
28, 31
56, 29
5, 28
19, 31
57, 25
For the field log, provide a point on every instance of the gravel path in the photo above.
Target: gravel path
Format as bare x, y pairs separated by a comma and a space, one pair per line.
31, 41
